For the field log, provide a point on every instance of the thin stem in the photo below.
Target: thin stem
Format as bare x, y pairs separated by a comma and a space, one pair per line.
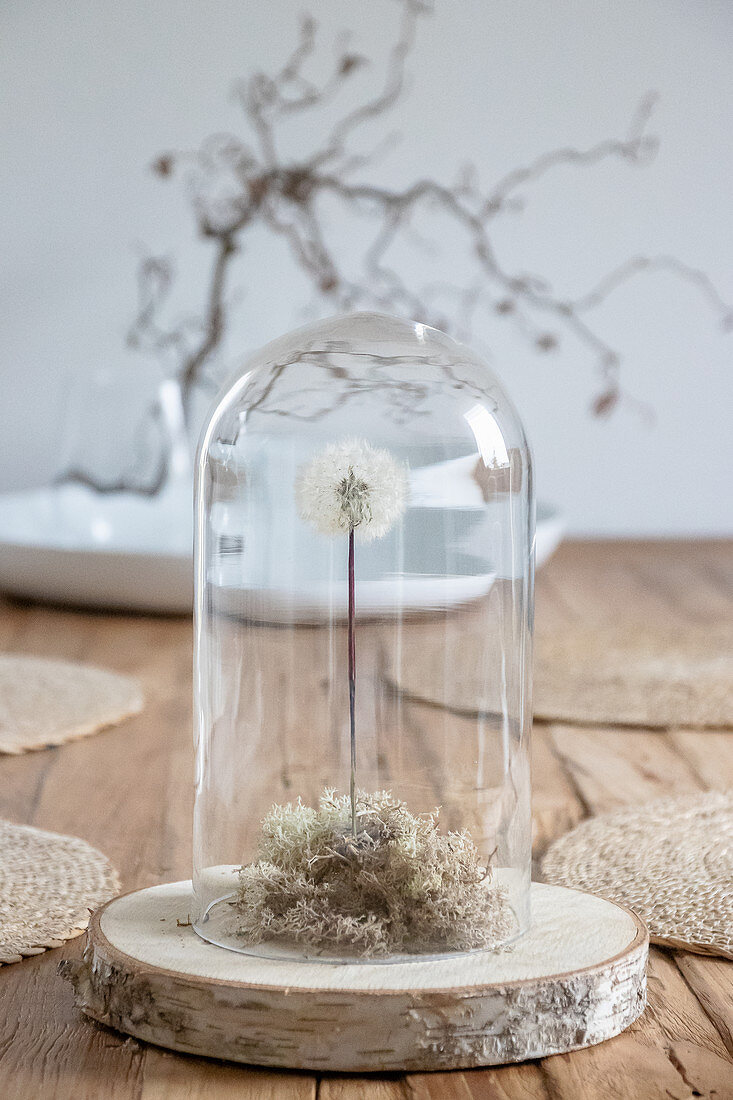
352, 681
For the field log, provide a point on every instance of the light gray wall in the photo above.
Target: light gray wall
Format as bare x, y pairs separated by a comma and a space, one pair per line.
91, 92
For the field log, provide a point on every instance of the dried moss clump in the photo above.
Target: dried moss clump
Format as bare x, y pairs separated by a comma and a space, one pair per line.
400, 886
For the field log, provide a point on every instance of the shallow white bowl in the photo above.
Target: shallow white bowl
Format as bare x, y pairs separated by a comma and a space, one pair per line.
70, 545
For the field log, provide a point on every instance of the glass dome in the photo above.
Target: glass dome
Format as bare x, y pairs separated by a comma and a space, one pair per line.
364, 599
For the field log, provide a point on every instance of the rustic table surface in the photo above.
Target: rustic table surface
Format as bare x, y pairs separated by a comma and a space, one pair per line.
129, 791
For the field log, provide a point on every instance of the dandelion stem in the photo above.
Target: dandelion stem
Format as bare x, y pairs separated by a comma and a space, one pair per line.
352, 681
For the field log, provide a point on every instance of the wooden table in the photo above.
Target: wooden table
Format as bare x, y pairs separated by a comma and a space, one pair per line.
129, 792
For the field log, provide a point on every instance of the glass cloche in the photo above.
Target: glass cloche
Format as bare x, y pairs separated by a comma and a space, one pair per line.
364, 596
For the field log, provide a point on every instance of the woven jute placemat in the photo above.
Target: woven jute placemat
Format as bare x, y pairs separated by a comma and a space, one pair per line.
48, 885
618, 675
637, 675
44, 702
670, 861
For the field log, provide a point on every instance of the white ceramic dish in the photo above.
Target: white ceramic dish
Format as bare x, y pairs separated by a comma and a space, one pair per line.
70, 545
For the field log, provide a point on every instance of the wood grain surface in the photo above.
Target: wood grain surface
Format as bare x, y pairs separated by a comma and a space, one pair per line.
128, 791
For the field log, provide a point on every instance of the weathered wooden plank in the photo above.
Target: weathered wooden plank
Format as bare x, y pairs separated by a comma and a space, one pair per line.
129, 791
523, 1082
709, 753
556, 806
443, 1086
108, 788
665, 582
687, 591
168, 1076
13, 621
47, 1052
612, 767
674, 1011
141, 770
362, 1088
711, 980
706, 1074
620, 1069
591, 579
57, 633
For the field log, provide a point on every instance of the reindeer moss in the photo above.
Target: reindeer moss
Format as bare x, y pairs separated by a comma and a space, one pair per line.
400, 886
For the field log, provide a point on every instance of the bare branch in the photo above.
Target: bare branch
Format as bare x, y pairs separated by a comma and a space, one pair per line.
637, 147
236, 186
638, 265
387, 97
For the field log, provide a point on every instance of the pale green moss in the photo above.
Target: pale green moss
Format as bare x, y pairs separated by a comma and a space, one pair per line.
400, 886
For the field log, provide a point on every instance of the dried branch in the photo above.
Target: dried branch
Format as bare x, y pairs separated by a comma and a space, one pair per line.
638, 147
638, 265
236, 185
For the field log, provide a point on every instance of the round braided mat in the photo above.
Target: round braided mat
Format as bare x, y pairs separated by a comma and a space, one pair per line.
48, 885
637, 675
46, 702
670, 861
626, 674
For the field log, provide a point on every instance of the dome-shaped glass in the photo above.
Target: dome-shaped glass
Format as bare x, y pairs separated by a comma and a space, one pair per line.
364, 574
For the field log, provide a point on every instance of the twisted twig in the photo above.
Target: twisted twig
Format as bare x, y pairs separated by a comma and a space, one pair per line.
237, 186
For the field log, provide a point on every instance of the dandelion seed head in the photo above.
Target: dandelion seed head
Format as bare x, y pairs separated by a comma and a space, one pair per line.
352, 486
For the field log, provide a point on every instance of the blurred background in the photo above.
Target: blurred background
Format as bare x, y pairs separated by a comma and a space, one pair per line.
630, 425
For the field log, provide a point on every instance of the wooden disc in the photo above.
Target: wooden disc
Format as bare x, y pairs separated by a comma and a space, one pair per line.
577, 978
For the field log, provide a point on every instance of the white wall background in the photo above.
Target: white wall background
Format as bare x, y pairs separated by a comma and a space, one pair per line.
92, 92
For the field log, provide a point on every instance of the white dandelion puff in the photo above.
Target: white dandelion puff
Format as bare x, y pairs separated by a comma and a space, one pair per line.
352, 486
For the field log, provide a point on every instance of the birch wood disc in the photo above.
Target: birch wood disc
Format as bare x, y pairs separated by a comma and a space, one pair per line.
577, 978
